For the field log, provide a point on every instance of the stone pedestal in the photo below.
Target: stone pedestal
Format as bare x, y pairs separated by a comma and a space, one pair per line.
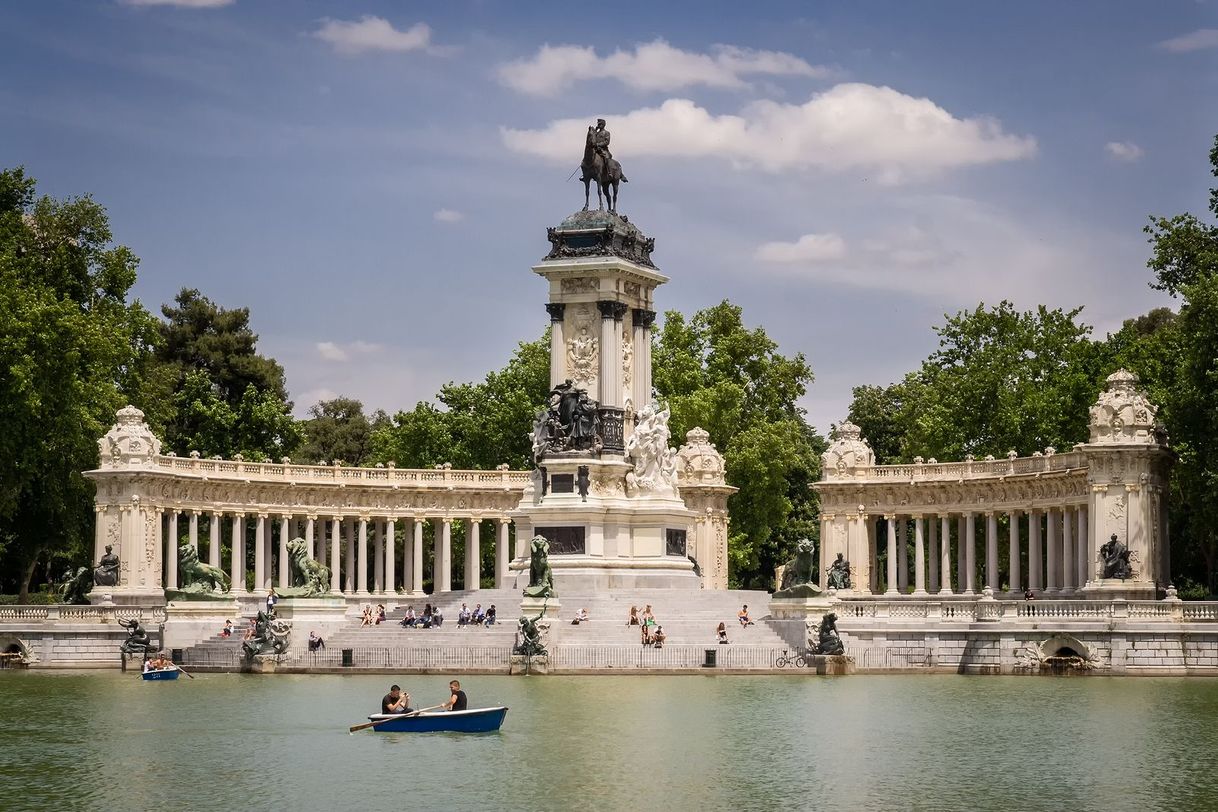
188, 622
324, 614
606, 539
813, 608
1103, 589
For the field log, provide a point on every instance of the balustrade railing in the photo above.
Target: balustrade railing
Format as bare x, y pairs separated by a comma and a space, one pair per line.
1007, 466
985, 610
292, 472
72, 613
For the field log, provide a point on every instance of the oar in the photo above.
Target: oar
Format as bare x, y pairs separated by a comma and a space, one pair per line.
391, 718
183, 670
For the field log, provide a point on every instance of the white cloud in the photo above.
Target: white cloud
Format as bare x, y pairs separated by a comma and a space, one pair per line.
852, 126
181, 3
810, 248
869, 263
1124, 151
448, 216
331, 351
372, 33
649, 67
1197, 40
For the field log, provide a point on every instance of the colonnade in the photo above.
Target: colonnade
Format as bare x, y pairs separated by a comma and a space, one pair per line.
1047, 551
345, 544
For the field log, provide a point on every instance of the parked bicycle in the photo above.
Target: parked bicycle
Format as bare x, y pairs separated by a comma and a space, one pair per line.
794, 659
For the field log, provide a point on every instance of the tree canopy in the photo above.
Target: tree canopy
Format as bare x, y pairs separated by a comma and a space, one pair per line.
717, 374
71, 348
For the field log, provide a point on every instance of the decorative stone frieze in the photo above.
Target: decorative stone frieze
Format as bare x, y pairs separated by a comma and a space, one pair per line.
848, 453
129, 442
1123, 414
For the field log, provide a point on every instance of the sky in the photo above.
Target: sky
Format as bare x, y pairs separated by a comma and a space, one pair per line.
373, 179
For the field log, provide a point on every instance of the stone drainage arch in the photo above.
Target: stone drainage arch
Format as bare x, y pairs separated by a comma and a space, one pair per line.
15, 652
1059, 654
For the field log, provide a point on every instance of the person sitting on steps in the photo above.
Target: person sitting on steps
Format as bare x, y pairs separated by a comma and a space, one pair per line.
721, 633
580, 617
633, 620
463, 616
743, 616
315, 641
409, 620
490, 616
478, 616
658, 638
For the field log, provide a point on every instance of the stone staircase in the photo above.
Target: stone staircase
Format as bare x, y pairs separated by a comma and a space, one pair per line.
689, 618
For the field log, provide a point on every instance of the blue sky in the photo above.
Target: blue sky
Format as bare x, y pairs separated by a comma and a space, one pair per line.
374, 179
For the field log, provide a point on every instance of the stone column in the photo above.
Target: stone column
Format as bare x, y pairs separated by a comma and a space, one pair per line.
902, 557
99, 532
416, 555
285, 571
611, 353
336, 530
238, 553
1035, 569
1013, 549
444, 556
378, 558
1085, 556
970, 553
362, 557
171, 552
407, 553
192, 530
945, 553
640, 374
213, 538
310, 524
387, 533
961, 556
349, 557
991, 550
919, 558
502, 554
1051, 549
260, 567
558, 345
873, 556
473, 555
892, 555
932, 529
1069, 558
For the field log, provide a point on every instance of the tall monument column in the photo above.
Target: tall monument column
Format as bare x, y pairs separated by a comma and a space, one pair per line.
558, 343
640, 379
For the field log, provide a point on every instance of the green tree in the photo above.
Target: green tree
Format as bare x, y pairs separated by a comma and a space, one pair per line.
338, 429
202, 342
1179, 359
878, 411
715, 373
1184, 249
1001, 380
71, 345
473, 425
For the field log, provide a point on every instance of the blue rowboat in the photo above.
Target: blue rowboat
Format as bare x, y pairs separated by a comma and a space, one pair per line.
161, 673
475, 720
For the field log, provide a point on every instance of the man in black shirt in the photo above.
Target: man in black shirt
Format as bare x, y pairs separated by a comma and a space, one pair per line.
395, 701
457, 701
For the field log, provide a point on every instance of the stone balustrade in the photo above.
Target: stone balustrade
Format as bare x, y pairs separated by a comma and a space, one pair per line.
967, 611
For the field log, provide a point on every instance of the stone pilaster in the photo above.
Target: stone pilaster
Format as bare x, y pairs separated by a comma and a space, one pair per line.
558, 343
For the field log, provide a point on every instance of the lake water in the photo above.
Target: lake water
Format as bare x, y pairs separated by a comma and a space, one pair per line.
86, 741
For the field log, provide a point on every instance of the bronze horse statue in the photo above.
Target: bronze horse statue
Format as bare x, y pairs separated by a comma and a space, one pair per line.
606, 174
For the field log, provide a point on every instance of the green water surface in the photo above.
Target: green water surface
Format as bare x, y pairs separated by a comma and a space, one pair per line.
91, 741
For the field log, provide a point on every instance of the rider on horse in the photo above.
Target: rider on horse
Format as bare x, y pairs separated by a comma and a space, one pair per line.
599, 166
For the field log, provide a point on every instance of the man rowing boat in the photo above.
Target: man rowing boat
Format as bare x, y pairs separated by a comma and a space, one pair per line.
457, 701
395, 701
